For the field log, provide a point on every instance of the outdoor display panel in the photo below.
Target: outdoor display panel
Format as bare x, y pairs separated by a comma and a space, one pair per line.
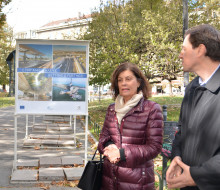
52, 77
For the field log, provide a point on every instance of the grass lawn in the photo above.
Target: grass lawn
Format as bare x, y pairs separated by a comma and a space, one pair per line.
7, 101
97, 110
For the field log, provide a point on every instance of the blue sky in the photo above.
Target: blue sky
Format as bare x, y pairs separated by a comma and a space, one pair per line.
45, 49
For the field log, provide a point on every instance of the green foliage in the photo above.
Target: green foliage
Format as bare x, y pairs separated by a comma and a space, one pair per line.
133, 32
3, 16
145, 32
6, 36
5, 44
204, 12
105, 31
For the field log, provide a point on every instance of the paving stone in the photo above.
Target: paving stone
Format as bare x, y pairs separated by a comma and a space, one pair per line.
52, 125
47, 122
32, 142
52, 132
50, 161
73, 173
66, 116
53, 128
36, 136
65, 143
28, 163
66, 132
51, 174
24, 176
51, 137
71, 160
59, 120
64, 124
55, 118
67, 137
39, 127
66, 119
50, 116
81, 134
49, 142
66, 129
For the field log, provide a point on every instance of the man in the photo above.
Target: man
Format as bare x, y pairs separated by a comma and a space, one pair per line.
196, 148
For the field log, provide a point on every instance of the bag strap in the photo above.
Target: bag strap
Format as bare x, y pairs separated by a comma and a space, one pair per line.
95, 154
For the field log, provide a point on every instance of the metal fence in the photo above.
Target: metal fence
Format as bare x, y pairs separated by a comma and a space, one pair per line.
95, 126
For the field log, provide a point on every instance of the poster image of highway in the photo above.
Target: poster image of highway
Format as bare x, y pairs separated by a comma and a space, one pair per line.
69, 89
69, 58
34, 87
35, 56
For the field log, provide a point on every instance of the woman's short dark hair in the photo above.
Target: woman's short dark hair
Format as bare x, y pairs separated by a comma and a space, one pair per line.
207, 35
144, 84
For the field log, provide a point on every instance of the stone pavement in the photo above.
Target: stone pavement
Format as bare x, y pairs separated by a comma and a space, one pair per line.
48, 169
58, 157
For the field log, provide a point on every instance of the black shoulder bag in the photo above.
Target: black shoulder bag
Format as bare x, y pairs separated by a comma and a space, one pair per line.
91, 178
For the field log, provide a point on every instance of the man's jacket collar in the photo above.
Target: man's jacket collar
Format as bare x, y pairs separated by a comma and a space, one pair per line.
214, 83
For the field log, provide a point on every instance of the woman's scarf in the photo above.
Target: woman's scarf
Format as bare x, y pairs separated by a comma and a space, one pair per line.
122, 108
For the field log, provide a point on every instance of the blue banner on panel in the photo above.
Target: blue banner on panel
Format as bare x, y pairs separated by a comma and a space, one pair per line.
38, 70
66, 75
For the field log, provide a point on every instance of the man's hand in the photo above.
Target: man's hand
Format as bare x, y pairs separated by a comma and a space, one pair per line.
179, 180
174, 169
112, 152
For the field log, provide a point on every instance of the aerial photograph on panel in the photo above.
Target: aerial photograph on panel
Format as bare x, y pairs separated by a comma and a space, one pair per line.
34, 87
69, 58
69, 89
35, 56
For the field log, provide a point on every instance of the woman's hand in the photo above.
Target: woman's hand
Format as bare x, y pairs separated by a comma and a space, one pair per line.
112, 153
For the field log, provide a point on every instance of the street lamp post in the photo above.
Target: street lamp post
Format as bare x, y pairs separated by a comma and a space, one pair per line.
185, 27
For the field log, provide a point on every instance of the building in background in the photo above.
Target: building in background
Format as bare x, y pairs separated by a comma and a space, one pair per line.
70, 28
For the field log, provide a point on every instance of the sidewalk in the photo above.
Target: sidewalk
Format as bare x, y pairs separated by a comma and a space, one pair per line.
46, 155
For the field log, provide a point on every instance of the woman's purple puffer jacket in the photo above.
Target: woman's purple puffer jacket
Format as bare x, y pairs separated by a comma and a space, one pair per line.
140, 135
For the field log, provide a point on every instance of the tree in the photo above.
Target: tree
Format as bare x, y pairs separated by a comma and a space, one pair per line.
204, 12
129, 32
162, 35
145, 32
5, 44
6, 38
2, 15
104, 31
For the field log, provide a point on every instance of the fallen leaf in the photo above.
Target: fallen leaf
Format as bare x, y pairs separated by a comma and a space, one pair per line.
37, 148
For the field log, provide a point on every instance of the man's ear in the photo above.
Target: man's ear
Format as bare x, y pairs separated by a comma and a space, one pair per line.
201, 50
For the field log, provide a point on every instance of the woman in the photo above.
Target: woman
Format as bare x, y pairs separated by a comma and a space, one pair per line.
132, 133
